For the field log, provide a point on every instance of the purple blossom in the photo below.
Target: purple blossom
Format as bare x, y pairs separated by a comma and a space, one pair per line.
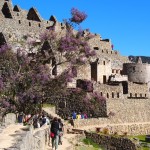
82, 59
44, 36
77, 16
19, 52
4, 48
32, 42
1, 83
87, 50
92, 53
5, 104
68, 44
50, 34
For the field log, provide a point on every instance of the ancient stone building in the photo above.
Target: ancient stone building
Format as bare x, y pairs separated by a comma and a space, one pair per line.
113, 75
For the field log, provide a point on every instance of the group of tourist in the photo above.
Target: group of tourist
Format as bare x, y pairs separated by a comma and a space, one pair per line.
56, 126
37, 120
79, 115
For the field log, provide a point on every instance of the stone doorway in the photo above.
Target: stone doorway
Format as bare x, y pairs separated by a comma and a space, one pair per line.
94, 71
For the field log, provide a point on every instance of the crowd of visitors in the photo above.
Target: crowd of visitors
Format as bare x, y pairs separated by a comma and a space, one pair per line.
79, 115
56, 127
37, 120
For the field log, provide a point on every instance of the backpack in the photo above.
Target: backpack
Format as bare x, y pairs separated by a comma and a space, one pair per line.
43, 120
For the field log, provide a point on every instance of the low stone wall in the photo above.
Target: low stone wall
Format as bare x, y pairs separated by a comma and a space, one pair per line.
34, 140
129, 110
129, 128
9, 119
112, 143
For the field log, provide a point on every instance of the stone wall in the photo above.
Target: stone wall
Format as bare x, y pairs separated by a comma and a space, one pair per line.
137, 72
109, 91
84, 72
129, 110
130, 115
9, 119
111, 142
34, 140
137, 90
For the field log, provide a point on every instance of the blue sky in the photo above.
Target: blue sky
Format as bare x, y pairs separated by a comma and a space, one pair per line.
125, 22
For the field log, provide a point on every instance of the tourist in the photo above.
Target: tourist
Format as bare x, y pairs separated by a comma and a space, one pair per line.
35, 123
20, 118
85, 116
74, 115
40, 120
61, 130
55, 133
82, 115
79, 115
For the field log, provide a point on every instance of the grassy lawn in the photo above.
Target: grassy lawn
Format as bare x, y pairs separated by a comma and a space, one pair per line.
89, 145
141, 139
88, 148
47, 105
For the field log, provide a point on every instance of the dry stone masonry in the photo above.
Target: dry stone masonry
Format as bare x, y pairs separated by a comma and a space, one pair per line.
125, 84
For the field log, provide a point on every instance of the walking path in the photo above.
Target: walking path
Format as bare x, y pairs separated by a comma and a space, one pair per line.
67, 143
10, 134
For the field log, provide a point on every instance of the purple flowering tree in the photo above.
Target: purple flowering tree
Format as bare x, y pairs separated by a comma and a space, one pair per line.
28, 78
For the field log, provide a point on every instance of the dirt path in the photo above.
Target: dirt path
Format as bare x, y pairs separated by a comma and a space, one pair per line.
67, 145
9, 135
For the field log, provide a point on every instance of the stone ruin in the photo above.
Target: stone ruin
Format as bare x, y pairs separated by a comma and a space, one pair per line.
125, 84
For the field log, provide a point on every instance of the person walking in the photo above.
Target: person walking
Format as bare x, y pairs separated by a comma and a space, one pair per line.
55, 133
61, 130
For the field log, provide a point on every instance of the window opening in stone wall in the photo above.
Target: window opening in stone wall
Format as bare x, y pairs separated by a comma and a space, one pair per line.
9, 35
101, 93
104, 79
6, 11
54, 71
33, 15
113, 71
125, 87
111, 52
39, 25
117, 71
107, 95
19, 22
103, 62
134, 68
16, 8
96, 48
135, 94
30, 24
2, 39
17, 14
102, 51
140, 94
112, 94
94, 71
47, 21
117, 95
130, 94
145, 95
